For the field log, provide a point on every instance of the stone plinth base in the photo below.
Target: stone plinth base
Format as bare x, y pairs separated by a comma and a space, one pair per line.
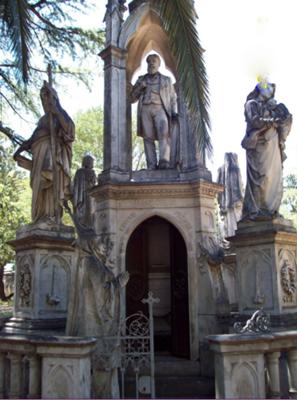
112, 175
171, 175
56, 367
266, 258
45, 258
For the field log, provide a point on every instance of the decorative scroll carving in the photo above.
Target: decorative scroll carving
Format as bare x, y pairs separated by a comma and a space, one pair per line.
258, 323
288, 281
25, 286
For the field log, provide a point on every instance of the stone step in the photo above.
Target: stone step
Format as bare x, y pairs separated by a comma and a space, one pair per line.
176, 387
175, 366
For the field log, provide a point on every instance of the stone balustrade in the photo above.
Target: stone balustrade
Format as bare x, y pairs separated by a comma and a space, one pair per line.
242, 359
45, 367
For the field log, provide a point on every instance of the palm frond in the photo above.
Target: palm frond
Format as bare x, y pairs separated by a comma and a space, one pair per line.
17, 18
179, 22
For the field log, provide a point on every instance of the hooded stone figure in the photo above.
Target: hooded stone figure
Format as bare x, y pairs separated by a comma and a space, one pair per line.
231, 199
84, 180
43, 181
268, 125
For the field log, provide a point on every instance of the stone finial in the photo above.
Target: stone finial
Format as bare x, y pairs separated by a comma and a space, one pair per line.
113, 19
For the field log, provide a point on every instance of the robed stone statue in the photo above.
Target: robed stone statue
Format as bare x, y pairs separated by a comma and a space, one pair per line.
268, 125
84, 180
231, 199
157, 109
51, 149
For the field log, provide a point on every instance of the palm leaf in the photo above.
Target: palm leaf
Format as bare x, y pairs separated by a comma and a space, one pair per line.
179, 22
17, 26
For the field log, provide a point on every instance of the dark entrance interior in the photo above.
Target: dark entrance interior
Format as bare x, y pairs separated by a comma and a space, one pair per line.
156, 259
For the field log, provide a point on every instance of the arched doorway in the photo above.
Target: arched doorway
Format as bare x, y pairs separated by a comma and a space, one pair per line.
156, 259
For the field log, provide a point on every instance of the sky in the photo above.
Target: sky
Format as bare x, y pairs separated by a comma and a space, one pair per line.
242, 40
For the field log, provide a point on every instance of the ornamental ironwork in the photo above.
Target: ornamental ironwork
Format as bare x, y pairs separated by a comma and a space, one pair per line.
258, 323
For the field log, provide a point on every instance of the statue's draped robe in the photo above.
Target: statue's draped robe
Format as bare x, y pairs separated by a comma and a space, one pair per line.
84, 180
264, 186
230, 200
94, 311
41, 178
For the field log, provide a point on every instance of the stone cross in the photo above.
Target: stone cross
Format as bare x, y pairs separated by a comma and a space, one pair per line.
151, 301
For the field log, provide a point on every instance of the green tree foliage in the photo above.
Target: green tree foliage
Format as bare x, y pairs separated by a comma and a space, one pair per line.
88, 137
45, 29
289, 202
14, 209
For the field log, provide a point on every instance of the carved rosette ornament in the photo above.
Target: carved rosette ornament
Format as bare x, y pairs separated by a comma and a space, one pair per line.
25, 286
288, 282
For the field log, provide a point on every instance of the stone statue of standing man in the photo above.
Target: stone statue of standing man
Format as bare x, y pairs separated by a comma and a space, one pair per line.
157, 108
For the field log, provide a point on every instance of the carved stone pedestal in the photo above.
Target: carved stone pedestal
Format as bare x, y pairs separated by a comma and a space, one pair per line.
266, 257
45, 257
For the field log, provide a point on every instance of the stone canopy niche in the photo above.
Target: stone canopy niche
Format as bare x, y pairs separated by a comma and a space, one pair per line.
181, 196
128, 41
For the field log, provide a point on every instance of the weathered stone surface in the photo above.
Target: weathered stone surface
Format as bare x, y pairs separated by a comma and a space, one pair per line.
45, 259
240, 361
231, 199
50, 173
266, 256
156, 115
268, 125
120, 208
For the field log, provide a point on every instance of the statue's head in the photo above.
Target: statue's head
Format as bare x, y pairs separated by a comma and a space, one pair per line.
153, 63
48, 95
266, 91
88, 161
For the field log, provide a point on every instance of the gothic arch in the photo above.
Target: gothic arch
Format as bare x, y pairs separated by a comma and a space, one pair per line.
137, 220
141, 33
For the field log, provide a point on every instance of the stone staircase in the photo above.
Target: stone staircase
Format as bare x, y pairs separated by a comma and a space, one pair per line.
176, 378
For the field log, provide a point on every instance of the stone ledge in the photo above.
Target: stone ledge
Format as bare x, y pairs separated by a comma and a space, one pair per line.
42, 235
264, 231
149, 190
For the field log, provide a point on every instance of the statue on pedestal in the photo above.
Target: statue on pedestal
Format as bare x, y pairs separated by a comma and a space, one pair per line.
157, 111
268, 125
51, 149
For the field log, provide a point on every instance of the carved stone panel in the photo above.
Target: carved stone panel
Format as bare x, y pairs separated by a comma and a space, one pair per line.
24, 282
287, 277
256, 285
244, 380
55, 280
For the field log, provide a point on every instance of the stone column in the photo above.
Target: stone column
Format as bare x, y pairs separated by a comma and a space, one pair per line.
272, 363
15, 375
117, 161
34, 377
117, 140
292, 366
2, 367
